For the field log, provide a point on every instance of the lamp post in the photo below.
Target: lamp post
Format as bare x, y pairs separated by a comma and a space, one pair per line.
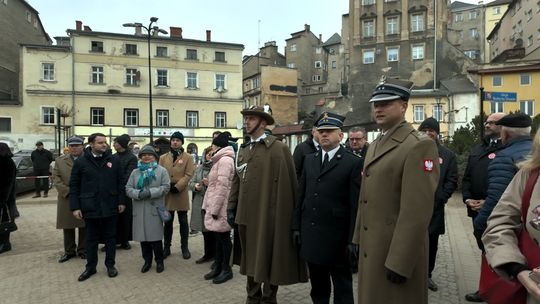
150, 31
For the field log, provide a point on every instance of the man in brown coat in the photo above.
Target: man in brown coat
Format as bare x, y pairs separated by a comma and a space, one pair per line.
262, 200
64, 217
400, 176
180, 166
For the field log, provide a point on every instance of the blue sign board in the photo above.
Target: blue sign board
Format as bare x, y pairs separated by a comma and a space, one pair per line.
500, 96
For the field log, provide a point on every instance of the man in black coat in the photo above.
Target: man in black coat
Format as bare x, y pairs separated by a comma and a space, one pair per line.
474, 184
41, 160
447, 185
325, 213
128, 162
95, 195
308, 146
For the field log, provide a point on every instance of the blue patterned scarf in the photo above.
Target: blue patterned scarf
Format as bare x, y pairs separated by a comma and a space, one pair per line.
147, 174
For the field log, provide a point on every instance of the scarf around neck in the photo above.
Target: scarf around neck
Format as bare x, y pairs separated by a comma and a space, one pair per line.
147, 174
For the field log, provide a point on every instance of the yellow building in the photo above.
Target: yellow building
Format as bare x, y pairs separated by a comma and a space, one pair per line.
100, 82
428, 103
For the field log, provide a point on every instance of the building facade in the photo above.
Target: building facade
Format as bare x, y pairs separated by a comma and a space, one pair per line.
466, 29
493, 11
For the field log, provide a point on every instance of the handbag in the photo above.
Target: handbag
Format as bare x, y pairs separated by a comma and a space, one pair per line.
496, 290
9, 226
163, 213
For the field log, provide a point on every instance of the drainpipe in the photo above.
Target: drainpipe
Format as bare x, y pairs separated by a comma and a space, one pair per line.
434, 44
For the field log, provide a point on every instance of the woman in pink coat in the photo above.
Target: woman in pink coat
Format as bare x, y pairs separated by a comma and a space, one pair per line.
215, 203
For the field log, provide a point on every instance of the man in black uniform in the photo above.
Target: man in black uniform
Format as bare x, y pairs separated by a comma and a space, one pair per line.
95, 189
474, 184
308, 146
325, 213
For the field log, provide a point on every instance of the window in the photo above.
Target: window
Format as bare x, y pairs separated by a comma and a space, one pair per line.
291, 65
191, 80
220, 120
497, 107
292, 48
473, 33
48, 71
497, 80
419, 113
525, 79
417, 52
162, 78
162, 51
254, 83
192, 119
496, 10
131, 49
459, 34
527, 107
334, 64
316, 78
318, 50
473, 15
220, 82
5, 124
417, 22
308, 90
368, 2
220, 56
321, 89
392, 27
97, 46
28, 16
331, 51
458, 17
438, 112
392, 54
35, 23
368, 56
132, 76
162, 118
97, 116
97, 75
530, 40
191, 54
318, 64
473, 54
47, 115
368, 28
131, 117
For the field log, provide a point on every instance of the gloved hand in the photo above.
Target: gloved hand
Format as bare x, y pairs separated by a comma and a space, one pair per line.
231, 214
296, 239
144, 194
214, 216
352, 255
394, 277
173, 188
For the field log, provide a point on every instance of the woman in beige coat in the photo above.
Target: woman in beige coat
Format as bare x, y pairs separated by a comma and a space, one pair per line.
500, 238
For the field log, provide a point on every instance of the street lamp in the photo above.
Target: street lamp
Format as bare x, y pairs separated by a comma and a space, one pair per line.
150, 31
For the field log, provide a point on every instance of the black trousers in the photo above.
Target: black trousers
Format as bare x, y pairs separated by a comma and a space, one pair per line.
41, 184
125, 223
260, 293
100, 229
478, 236
433, 247
152, 249
4, 238
209, 244
223, 249
321, 287
70, 245
184, 229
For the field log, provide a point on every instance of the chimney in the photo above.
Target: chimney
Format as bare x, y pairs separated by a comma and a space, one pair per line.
87, 28
176, 32
306, 27
320, 37
208, 35
269, 43
78, 25
138, 31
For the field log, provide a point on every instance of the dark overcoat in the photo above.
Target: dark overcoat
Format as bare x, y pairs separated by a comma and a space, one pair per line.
7, 188
61, 175
302, 149
327, 204
96, 185
128, 163
263, 196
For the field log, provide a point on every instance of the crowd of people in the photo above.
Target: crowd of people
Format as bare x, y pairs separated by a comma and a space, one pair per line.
319, 214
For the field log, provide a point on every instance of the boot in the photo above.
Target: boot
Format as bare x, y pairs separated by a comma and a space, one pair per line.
185, 253
225, 275
166, 251
213, 273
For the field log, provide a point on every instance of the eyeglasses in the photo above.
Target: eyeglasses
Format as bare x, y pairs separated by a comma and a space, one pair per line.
356, 139
489, 122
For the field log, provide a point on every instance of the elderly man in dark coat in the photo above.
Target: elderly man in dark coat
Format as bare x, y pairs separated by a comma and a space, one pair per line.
447, 186
64, 217
325, 213
41, 160
262, 200
95, 195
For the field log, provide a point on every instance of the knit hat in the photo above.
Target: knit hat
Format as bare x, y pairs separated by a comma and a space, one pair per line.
429, 123
178, 135
222, 140
148, 149
123, 140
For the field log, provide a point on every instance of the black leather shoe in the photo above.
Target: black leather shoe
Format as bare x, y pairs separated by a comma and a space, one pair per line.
186, 254
125, 246
86, 274
213, 273
5, 247
160, 267
66, 257
166, 251
223, 277
146, 267
82, 255
474, 297
432, 285
203, 259
112, 272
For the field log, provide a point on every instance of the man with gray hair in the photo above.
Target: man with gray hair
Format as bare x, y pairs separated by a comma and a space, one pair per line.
517, 143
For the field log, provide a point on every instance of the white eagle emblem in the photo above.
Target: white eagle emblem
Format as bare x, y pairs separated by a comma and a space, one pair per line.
428, 165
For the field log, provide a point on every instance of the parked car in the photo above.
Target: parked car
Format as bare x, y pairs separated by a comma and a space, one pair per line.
25, 168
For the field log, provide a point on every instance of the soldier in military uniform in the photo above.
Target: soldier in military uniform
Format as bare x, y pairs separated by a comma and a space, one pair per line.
400, 176
325, 213
261, 203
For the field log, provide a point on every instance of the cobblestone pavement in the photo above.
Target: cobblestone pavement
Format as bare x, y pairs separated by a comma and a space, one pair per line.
31, 274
